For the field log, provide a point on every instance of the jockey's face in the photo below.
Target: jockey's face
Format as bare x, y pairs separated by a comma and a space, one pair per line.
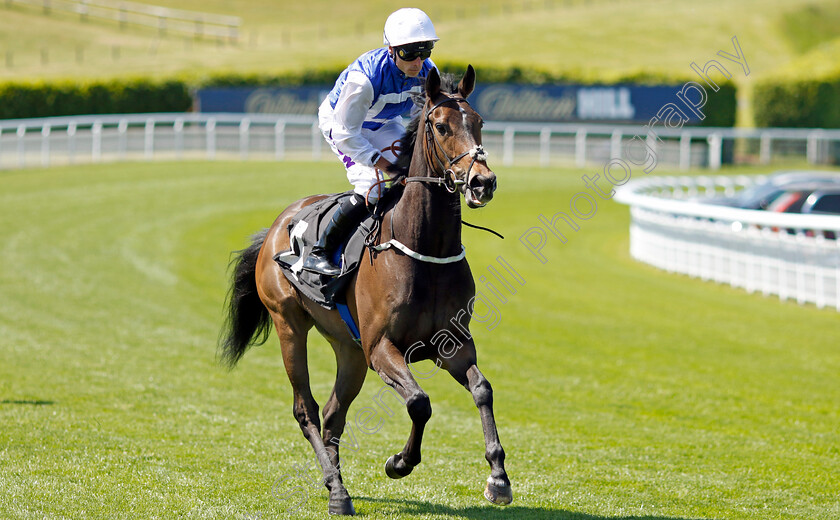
409, 68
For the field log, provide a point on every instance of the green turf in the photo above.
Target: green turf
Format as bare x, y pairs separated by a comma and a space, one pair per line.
595, 37
620, 391
811, 25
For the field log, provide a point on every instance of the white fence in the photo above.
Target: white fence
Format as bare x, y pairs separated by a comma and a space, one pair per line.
685, 148
790, 255
67, 140
195, 23
62, 140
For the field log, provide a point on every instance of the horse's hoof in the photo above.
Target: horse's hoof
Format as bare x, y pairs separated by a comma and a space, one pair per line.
499, 494
393, 471
342, 507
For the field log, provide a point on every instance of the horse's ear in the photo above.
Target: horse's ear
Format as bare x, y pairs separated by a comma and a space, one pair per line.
467, 84
432, 84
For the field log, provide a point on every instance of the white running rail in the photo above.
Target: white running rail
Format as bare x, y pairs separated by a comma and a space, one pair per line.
790, 255
81, 139
62, 140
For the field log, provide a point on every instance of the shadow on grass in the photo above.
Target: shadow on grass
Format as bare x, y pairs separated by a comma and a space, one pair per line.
32, 402
490, 512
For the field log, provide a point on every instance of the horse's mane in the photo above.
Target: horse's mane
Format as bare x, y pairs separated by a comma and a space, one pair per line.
448, 84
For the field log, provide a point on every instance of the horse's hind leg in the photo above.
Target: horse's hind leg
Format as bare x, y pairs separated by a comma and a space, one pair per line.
391, 367
464, 369
350, 376
292, 335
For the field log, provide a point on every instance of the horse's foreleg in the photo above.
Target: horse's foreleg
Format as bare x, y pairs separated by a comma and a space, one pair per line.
498, 488
498, 485
391, 367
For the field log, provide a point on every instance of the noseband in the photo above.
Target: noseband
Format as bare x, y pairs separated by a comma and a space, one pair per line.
449, 181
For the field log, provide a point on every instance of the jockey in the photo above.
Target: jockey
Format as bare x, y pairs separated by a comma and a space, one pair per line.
360, 119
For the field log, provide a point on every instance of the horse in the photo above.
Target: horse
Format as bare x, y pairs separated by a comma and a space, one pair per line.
400, 298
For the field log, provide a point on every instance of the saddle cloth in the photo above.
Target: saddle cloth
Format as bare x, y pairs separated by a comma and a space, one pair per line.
304, 230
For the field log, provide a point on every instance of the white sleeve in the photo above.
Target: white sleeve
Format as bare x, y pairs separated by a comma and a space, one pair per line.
350, 110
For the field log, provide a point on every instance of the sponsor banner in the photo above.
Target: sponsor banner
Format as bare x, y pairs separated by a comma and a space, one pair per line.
495, 102
572, 103
274, 100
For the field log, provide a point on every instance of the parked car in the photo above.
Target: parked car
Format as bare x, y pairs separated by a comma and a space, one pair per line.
761, 196
823, 202
808, 199
811, 199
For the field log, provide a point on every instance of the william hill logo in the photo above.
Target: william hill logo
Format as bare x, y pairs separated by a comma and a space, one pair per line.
558, 103
277, 101
604, 103
519, 103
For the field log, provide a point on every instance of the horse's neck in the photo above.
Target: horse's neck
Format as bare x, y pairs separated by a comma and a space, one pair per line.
427, 217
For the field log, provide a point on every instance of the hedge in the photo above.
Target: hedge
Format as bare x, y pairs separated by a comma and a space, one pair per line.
793, 102
803, 92
21, 100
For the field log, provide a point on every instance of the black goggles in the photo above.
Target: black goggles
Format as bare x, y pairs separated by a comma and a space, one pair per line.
412, 51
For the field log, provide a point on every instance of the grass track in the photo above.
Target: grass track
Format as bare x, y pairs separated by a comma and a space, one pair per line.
598, 37
621, 391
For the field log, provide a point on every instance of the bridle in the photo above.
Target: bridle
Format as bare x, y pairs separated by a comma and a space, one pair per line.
448, 178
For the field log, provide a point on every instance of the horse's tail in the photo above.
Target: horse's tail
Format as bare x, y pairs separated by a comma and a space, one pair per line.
248, 322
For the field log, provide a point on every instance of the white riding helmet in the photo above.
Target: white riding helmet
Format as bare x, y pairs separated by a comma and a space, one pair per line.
408, 25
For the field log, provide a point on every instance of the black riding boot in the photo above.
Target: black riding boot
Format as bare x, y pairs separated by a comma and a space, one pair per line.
348, 215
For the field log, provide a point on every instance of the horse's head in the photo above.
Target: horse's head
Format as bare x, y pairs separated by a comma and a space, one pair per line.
453, 140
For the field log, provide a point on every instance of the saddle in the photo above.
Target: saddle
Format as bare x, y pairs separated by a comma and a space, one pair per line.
304, 230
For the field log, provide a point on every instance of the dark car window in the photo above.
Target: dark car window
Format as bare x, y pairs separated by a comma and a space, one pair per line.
768, 199
827, 204
788, 202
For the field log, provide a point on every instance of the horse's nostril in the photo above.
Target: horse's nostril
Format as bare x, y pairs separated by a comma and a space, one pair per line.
490, 184
483, 186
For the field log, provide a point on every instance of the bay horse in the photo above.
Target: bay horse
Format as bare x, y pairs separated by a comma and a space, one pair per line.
397, 299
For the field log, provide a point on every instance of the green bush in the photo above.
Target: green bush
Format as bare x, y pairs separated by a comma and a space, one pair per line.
321, 76
803, 93
794, 102
22, 100
721, 106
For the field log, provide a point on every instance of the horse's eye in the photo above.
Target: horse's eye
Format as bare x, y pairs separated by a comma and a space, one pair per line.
441, 128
